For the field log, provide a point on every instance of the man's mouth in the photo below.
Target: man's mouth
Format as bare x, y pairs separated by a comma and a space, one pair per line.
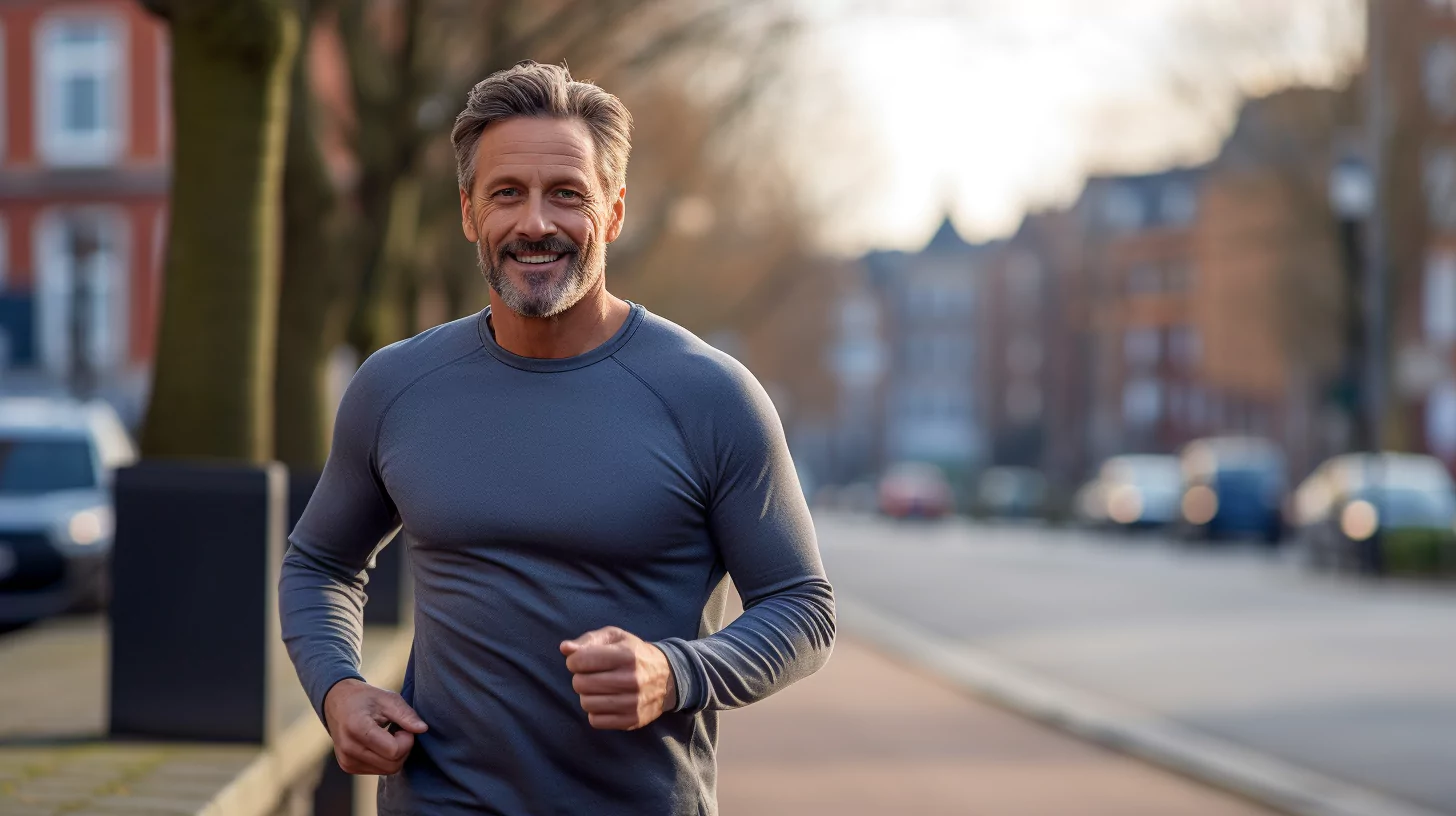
542, 258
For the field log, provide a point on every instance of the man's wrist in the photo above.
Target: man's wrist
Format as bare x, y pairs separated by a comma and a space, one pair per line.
674, 687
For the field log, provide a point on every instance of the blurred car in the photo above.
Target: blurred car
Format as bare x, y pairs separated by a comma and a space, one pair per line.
1388, 512
1233, 486
1011, 492
1089, 504
1137, 490
915, 490
56, 462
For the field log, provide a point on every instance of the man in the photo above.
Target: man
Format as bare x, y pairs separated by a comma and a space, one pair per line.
575, 479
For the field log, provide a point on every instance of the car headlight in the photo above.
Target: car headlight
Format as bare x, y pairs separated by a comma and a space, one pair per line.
1200, 505
1359, 520
86, 528
1125, 505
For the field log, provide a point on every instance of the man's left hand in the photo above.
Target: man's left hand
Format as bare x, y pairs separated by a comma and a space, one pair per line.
624, 682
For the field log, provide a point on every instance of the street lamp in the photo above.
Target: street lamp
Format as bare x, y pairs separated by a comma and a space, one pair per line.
1353, 198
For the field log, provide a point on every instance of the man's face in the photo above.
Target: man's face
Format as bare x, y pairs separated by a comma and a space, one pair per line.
538, 213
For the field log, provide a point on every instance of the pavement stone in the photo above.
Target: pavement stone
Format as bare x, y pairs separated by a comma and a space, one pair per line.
866, 736
54, 757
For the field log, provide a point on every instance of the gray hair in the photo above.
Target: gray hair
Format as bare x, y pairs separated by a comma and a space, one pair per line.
532, 89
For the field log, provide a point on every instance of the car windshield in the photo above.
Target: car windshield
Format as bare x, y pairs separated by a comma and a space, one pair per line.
42, 465
1405, 507
1252, 479
1147, 472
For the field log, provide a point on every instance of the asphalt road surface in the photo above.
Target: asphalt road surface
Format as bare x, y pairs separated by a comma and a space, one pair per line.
1355, 680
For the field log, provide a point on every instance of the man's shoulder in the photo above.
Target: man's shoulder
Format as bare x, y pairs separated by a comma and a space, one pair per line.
683, 368
394, 367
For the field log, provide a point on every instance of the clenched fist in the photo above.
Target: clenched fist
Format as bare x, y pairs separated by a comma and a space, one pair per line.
624, 682
358, 716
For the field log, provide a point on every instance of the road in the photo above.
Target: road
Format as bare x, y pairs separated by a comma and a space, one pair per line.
1354, 680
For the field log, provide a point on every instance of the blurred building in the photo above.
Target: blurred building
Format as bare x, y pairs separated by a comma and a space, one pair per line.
1278, 287
929, 407
84, 155
817, 349
1143, 279
1418, 56
1036, 347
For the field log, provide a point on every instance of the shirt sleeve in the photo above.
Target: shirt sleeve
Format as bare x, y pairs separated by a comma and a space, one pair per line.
761, 525
348, 518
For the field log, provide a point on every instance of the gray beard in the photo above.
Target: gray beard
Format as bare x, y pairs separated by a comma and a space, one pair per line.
544, 295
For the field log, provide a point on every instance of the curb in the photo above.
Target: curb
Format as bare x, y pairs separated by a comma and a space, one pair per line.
259, 788
1126, 729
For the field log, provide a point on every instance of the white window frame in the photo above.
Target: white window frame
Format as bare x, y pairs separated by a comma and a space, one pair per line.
52, 264
58, 147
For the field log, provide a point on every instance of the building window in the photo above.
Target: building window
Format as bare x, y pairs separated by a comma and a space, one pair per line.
1143, 280
1122, 209
1142, 402
1439, 78
1438, 182
80, 91
82, 290
1179, 204
1185, 346
1141, 346
1438, 300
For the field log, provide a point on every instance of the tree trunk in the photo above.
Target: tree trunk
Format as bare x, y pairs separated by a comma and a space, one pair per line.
212, 393
313, 302
380, 318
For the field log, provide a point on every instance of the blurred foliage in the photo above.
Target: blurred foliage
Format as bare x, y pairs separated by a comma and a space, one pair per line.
372, 248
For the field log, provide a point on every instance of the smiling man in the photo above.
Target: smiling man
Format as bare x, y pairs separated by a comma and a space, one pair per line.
576, 479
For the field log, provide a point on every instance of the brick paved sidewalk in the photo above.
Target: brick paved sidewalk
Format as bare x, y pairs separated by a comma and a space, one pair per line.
867, 736
56, 761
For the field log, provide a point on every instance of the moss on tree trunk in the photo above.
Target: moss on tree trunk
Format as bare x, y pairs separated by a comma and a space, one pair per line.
212, 392
314, 306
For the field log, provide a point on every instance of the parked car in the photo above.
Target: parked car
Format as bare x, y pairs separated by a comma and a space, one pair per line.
1011, 492
915, 490
1388, 512
57, 458
1233, 486
1137, 490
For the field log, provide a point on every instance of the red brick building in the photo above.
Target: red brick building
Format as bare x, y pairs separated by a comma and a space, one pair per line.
84, 155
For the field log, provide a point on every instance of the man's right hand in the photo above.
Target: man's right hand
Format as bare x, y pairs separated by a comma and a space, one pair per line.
358, 716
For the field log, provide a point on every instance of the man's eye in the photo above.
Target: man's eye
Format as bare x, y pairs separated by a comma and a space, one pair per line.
508, 192
568, 194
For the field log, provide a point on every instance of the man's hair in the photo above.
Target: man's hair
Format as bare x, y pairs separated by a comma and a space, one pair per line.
532, 89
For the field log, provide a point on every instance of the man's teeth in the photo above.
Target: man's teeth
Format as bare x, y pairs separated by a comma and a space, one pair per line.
536, 259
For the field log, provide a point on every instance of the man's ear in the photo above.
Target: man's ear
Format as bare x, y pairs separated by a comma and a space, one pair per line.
618, 215
467, 223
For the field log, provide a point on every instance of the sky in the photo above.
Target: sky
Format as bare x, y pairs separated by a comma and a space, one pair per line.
911, 109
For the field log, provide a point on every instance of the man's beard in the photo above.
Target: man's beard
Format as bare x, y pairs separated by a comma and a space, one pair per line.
544, 294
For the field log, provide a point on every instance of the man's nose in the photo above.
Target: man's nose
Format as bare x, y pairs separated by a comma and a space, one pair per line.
535, 222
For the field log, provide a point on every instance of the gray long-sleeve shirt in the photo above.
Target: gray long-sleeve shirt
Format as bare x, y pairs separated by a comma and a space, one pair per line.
540, 499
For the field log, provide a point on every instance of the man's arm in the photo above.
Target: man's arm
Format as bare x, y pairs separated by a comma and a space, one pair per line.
321, 587
761, 524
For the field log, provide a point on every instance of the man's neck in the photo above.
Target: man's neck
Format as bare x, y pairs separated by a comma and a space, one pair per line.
593, 321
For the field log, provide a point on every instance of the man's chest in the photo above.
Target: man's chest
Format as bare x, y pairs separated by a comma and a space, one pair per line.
558, 475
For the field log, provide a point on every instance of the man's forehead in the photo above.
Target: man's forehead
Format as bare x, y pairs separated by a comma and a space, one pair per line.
555, 141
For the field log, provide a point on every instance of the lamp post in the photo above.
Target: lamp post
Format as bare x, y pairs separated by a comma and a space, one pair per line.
85, 243
1353, 198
